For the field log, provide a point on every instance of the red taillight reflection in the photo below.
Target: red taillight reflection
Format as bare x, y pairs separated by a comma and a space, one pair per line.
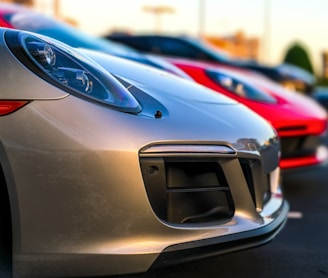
10, 106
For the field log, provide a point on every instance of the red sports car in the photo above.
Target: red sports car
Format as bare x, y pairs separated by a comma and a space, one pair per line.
299, 120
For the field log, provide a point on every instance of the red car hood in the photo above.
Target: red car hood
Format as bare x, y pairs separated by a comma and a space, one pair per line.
293, 114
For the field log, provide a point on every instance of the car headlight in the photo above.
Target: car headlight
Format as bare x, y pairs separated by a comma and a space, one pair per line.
239, 87
72, 72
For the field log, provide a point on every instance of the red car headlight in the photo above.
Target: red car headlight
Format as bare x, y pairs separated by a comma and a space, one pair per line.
239, 87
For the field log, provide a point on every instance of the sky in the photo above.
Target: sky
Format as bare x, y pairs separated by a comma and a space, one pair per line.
277, 23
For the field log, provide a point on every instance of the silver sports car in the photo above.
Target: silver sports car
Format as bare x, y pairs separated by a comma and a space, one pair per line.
110, 167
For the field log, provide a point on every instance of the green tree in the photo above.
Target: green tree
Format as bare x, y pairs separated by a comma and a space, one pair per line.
297, 55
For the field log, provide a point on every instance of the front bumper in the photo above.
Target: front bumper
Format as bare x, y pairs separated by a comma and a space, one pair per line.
190, 251
84, 265
257, 213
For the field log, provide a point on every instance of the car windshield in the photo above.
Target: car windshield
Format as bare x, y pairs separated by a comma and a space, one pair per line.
64, 32
219, 55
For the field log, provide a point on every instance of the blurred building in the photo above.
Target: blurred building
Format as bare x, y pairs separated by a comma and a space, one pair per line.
53, 6
325, 64
237, 45
21, 2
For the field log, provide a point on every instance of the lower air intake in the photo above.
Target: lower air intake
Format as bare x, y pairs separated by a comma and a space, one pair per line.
184, 190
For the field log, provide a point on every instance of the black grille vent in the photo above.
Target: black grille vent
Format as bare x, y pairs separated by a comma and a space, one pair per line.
245, 166
184, 190
197, 184
298, 146
258, 185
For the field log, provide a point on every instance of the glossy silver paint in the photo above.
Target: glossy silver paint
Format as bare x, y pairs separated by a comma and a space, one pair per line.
72, 169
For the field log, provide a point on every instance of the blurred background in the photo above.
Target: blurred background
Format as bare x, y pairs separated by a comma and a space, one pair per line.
267, 31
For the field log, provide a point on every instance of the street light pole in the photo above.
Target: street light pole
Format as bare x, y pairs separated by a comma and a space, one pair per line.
57, 8
157, 11
201, 18
267, 29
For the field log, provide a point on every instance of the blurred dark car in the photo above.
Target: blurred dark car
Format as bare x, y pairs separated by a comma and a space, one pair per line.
23, 18
288, 75
320, 94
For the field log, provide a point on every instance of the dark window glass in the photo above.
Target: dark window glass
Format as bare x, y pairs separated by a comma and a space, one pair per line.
174, 47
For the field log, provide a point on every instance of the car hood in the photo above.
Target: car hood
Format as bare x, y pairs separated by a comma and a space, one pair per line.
292, 106
289, 110
292, 110
217, 114
158, 80
190, 113
295, 104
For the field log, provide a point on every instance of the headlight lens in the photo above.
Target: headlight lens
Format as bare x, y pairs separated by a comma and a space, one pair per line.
239, 87
67, 69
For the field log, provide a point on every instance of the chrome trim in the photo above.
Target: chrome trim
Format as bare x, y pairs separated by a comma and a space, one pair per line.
188, 149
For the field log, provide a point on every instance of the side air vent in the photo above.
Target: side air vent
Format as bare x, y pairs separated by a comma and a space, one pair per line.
258, 182
186, 184
183, 190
